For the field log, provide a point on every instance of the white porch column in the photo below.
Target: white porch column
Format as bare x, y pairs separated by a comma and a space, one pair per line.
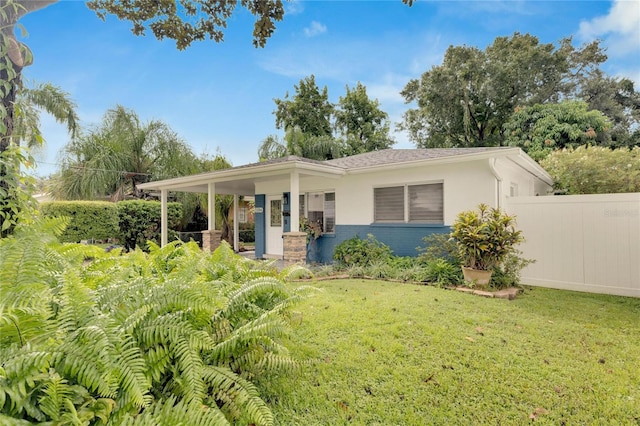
164, 226
212, 206
294, 201
235, 223
211, 237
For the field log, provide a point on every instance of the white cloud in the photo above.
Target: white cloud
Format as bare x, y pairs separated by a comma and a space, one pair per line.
316, 28
387, 89
620, 28
293, 7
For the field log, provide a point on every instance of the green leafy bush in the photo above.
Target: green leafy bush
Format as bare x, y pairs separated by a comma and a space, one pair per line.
176, 335
508, 273
485, 237
595, 170
358, 252
96, 220
440, 246
16, 189
139, 222
441, 272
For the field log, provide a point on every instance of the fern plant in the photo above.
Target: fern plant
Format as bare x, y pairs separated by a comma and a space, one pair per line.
172, 336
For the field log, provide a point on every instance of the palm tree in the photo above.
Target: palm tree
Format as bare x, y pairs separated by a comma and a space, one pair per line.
122, 152
42, 97
301, 144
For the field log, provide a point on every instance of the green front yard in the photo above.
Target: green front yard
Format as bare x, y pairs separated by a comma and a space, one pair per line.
391, 354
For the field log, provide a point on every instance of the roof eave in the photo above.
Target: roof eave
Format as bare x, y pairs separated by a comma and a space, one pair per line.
440, 160
244, 172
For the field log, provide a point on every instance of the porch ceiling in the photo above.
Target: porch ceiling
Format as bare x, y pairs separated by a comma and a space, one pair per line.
235, 186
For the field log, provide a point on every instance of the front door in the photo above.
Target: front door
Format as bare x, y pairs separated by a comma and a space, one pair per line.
274, 246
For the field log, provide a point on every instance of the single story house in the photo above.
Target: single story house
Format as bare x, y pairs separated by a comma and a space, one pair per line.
398, 195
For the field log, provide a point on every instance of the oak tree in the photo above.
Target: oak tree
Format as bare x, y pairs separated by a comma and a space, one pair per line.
361, 123
466, 100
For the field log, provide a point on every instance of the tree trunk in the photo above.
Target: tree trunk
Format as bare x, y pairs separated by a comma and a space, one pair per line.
15, 56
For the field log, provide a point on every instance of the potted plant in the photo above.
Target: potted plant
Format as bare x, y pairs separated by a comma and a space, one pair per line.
484, 237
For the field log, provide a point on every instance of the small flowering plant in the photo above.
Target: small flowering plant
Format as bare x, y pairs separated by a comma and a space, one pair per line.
313, 229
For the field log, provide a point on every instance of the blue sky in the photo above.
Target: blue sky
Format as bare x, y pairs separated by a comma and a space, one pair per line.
220, 96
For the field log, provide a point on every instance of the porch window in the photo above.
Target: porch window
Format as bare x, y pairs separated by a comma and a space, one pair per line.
422, 203
321, 209
242, 215
276, 213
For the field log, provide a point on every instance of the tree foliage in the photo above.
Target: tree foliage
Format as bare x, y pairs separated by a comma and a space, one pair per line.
17, 204
362, 124
594, 170
308, 110
122, 152
618, 100
186, 21
173, 336
46, 97
466, 101
542, 128
301, 144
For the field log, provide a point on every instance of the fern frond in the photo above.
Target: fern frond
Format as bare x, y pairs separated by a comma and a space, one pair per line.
242, 339
293, 272
267, 288
25, 324
131, 369
12, 421
239, 394
22, 370
158, 360
89, 367
170, 413
190, 367
55, 393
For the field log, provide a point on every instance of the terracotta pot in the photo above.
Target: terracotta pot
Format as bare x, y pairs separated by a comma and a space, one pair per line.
477, 276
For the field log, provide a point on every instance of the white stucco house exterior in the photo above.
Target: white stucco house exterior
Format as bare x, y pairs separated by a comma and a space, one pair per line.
398, 195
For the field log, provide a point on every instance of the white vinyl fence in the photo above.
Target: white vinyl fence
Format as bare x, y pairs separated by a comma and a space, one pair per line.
581, 242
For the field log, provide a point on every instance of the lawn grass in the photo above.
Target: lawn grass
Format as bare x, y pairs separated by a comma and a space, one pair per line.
385, 353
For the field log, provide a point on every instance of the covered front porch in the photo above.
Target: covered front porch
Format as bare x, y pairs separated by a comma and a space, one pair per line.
277, 216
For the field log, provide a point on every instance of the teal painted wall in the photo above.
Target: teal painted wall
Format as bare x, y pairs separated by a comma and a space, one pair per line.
402, 238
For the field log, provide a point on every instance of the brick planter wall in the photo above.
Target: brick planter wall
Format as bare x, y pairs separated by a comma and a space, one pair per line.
211, 240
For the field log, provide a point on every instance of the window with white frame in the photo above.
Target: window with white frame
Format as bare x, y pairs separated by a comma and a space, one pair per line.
422, 203
242, 215
320, 208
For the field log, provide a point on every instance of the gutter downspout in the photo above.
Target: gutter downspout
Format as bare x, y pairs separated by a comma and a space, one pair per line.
492, 166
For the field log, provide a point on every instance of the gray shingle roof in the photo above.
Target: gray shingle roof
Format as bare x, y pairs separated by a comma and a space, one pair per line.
281, 160
391, 156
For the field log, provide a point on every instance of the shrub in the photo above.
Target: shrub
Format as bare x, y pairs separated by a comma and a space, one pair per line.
96, 220
595, 170
441, 272
508, 273
440, 246
172, 336
139, 222
358, 252
247, 232
485, 237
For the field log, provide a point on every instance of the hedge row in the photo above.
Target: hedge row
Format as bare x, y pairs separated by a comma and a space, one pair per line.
131, 222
